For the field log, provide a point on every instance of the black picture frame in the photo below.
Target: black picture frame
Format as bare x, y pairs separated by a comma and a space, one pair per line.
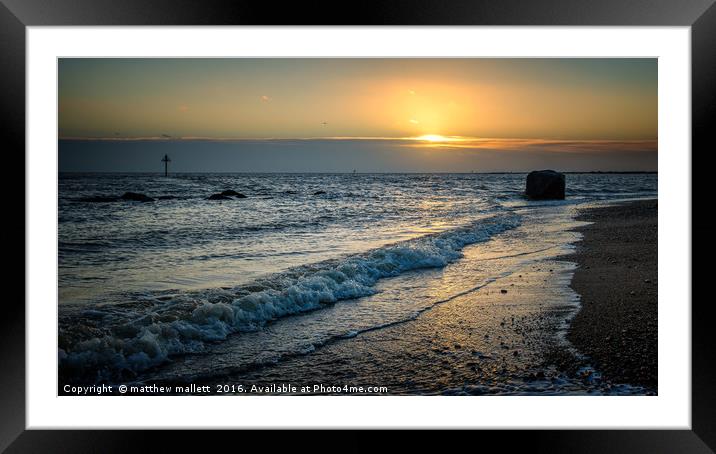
16, 15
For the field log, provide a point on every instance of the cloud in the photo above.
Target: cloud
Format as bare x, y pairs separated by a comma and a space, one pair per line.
265, 98
414, 121
543, 145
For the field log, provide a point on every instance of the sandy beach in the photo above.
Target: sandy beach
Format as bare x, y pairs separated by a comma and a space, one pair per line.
617, 280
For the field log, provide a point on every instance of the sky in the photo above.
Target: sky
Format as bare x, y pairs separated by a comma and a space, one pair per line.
293, 114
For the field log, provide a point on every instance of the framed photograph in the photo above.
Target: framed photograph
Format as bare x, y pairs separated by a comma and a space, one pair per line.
444, 217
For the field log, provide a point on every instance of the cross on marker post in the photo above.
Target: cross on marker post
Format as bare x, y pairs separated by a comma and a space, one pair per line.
166, 162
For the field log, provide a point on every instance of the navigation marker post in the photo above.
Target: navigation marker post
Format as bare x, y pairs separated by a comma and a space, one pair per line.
166, 162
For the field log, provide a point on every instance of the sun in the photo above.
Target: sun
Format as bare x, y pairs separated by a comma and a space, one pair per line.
433, 138
437, 138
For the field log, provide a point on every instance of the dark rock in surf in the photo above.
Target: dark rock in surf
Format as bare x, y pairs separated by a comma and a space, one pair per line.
232, 193
218, 197
167, 197
545, 185
319, 192
136, 197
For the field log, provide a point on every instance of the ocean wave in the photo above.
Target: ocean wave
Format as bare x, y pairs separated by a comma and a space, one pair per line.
186, 323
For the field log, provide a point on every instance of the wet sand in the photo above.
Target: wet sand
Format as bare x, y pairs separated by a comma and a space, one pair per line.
617, 280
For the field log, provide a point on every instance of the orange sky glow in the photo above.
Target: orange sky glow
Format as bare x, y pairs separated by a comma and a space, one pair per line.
610, 99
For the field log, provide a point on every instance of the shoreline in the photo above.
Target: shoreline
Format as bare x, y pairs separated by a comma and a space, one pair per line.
616, 278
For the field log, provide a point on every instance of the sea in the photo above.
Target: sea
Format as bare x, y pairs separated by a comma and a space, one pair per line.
414, 283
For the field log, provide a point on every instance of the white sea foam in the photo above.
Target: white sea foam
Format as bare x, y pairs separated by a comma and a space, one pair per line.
153, 342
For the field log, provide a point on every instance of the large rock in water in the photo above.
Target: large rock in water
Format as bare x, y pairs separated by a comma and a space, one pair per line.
231, 192
218, 197
136, 197
545, 184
